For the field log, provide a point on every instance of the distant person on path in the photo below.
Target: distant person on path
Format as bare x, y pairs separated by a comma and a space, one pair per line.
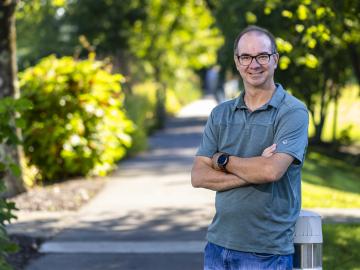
251, 154
213, 85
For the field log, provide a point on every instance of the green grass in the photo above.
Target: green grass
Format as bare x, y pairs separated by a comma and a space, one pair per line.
329, 183
348, 119
341, 246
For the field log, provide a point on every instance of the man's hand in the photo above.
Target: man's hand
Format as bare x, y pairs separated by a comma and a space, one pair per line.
268, 152
214, 161
204, 176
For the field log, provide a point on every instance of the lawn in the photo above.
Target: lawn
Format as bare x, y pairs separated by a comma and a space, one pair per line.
328, 182
348, 119
341, 246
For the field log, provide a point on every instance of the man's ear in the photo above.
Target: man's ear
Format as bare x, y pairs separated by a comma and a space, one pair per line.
277, 58
236, 60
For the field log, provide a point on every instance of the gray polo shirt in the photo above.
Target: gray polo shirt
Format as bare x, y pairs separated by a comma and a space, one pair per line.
261, 217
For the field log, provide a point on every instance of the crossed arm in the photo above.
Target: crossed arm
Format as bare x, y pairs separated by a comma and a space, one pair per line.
268, 167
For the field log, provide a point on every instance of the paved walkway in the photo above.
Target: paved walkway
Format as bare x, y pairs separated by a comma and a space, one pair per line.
147, 217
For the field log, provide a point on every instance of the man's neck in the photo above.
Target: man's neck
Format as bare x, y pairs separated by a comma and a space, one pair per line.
255, 97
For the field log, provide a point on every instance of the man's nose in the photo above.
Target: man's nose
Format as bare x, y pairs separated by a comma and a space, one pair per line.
254, 63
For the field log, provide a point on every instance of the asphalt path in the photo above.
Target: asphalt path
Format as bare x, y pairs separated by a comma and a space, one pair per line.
148, 216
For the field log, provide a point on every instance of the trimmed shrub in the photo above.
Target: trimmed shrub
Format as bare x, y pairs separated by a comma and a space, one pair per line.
78, 125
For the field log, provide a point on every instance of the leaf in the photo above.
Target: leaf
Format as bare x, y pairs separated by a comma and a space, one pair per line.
20, 123
23, 104
2, 167
15, 169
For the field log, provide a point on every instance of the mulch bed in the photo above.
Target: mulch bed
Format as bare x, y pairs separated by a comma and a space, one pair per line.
64, 196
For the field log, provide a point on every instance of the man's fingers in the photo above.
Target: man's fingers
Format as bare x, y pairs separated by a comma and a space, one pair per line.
214, 160
269, 151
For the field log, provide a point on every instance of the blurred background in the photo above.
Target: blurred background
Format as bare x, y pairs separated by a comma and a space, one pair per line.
83, 83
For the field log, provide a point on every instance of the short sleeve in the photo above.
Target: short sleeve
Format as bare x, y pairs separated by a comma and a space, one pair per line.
208, 145
291, 134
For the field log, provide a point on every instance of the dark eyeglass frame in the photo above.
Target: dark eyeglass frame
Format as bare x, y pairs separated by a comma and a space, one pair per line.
256, 58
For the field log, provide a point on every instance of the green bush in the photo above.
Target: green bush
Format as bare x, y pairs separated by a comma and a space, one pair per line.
141, 106
187, 87
78, 125
9, 119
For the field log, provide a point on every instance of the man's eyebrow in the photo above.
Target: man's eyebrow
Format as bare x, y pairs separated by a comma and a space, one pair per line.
247, 54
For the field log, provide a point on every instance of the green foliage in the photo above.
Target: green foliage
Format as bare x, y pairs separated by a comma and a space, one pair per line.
187, 89
185, 35
317, 41
59, 24
110, 31
10, 110
341, 246
148, 40
140, 105
347, 119
78, 125
39, 31
175, 38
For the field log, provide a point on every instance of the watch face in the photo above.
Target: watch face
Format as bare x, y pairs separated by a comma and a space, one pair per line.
222, 159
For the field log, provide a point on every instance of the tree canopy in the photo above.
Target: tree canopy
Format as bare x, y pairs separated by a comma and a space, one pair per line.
316, 41
165, 41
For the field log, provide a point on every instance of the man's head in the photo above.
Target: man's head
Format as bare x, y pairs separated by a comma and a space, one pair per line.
256, 57
260, 30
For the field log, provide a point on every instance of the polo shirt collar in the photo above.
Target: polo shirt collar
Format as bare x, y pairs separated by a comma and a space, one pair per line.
240, 102
278, 96
275, 100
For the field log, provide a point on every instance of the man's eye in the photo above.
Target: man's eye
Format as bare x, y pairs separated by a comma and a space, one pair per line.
245, 58
262, 57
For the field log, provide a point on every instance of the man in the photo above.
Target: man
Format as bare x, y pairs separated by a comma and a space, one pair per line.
251, 153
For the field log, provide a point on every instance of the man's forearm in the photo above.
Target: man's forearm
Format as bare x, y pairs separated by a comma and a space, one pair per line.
256, 170
259, 170
207, 177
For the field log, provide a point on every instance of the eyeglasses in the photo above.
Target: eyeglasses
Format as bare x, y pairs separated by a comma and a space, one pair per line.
261, 59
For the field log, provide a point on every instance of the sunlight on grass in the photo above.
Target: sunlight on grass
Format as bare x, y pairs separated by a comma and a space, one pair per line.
314, 196
348, 115
329, 183
326, 171
341, 246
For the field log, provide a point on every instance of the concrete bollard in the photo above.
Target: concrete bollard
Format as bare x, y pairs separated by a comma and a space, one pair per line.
308, 241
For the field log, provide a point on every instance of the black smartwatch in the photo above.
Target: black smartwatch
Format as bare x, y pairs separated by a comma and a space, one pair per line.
222, 161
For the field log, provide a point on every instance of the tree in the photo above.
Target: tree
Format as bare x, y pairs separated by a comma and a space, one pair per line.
176, 37
146, 39
322, 38
68, 28
44, 18
314, 39
9, 85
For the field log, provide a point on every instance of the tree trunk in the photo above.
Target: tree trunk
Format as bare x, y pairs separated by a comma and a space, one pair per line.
8, 83
160, 100
355, 61
324, 104
336, 105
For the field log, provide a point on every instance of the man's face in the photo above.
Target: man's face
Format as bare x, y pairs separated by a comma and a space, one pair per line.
255, 74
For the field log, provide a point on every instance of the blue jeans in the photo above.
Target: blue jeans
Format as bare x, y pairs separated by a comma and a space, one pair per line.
219, 258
